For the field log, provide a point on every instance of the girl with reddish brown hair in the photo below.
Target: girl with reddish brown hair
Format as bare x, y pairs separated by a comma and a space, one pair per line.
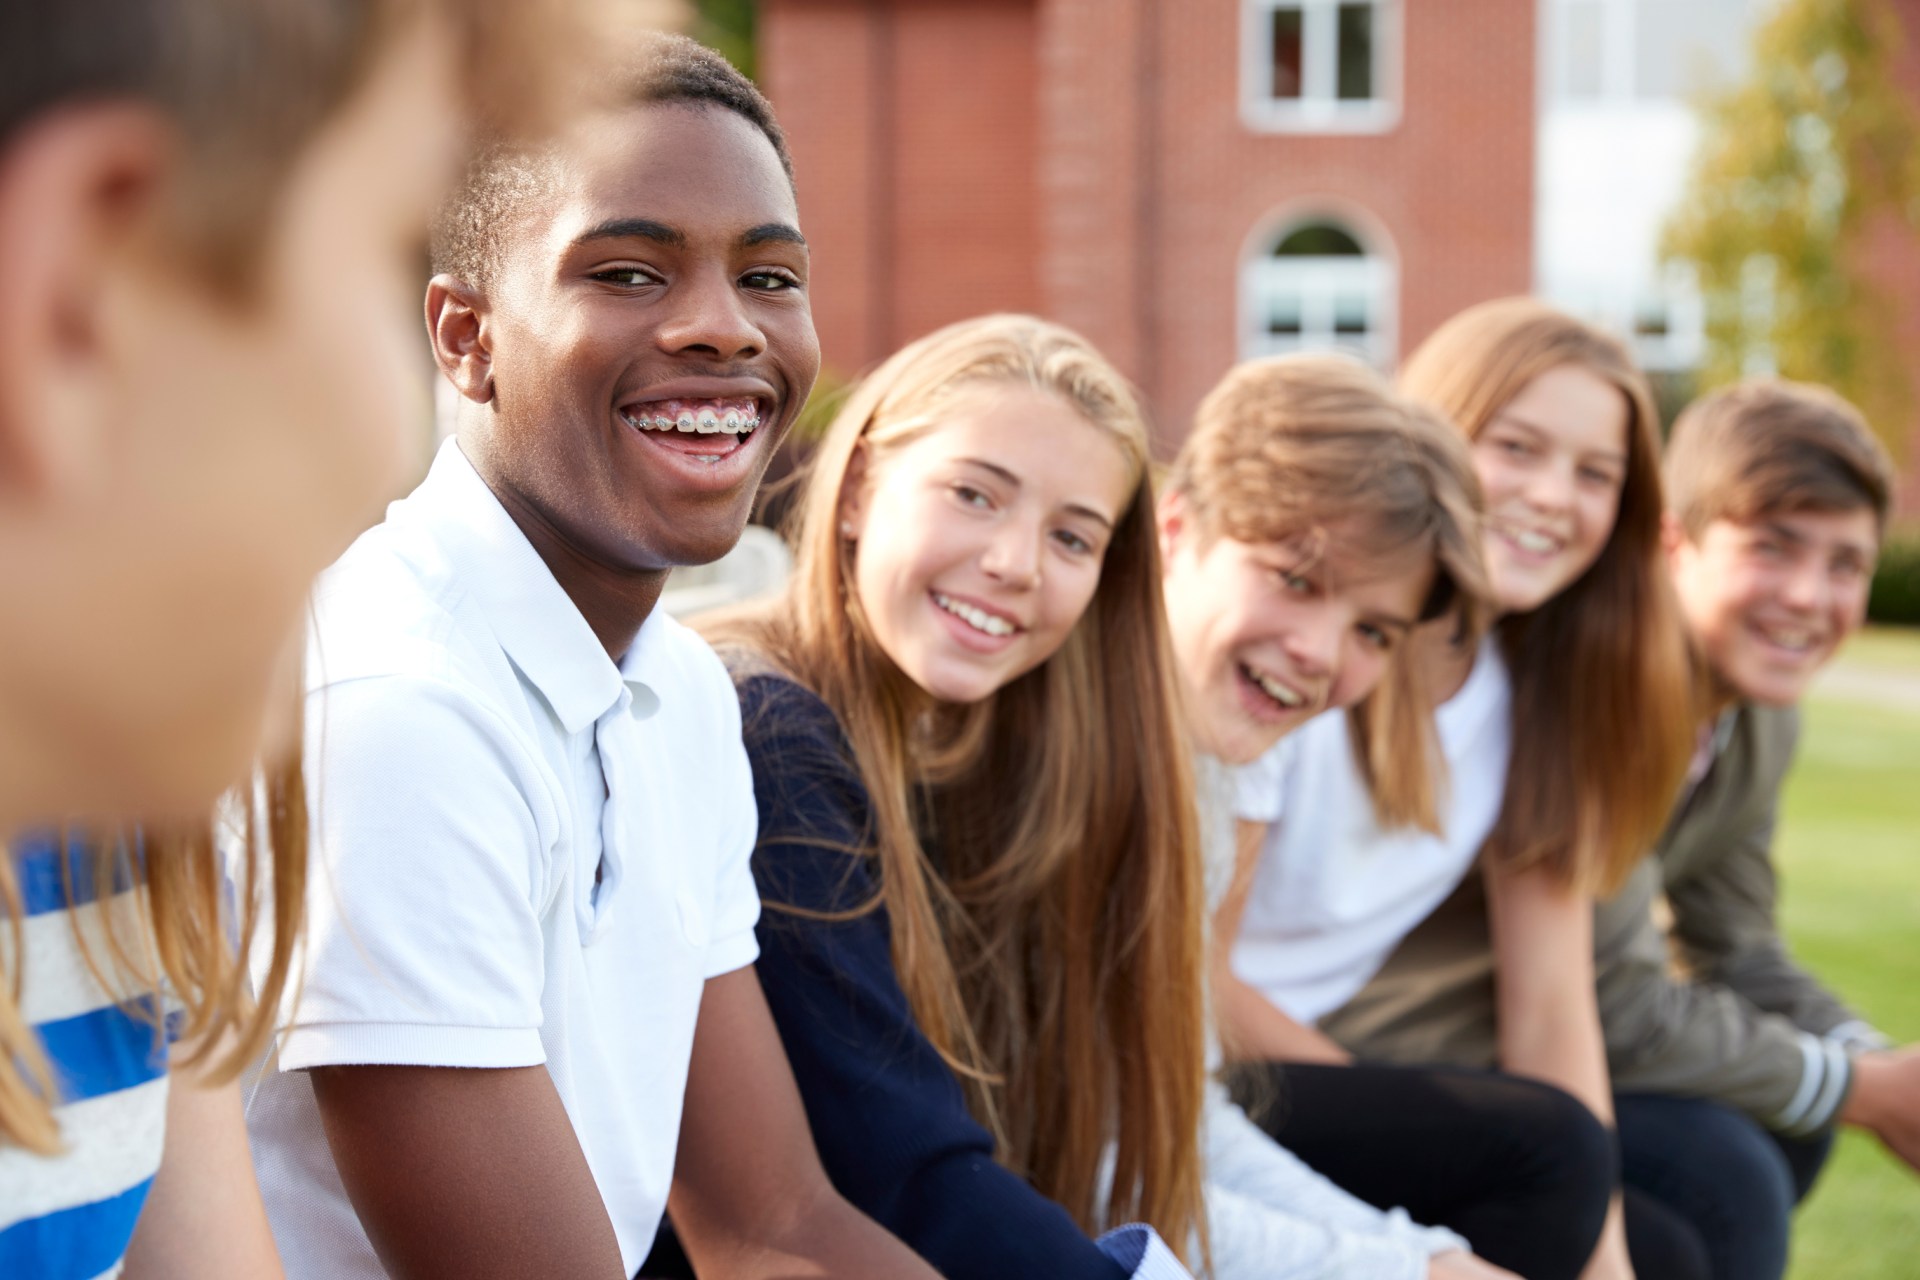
1562, 739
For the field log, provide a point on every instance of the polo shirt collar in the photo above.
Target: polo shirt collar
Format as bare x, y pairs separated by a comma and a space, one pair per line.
533, 618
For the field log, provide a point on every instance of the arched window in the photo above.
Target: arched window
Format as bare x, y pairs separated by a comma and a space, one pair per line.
1316, 286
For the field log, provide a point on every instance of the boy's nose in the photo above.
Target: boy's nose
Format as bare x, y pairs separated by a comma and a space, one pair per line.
711, 318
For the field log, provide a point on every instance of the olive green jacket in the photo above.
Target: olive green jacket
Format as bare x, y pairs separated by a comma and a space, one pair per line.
1714, 1007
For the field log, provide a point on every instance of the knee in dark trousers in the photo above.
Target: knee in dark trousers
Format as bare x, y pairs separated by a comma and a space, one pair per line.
1719, 1172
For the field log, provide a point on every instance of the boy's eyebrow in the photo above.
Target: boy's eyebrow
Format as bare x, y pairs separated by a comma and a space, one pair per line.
1013, 481
633, 229
772, 233
674, 238
1786, 533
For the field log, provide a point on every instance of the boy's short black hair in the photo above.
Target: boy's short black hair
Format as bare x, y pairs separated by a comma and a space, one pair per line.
472, 225
1769, 447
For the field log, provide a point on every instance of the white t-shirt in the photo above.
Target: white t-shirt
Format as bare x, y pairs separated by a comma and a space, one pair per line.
1270, 1216
523, 854
1334, 892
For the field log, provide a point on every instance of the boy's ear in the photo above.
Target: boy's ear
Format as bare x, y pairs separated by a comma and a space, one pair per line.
78, 188
1175, 524
460, 327
1673, 534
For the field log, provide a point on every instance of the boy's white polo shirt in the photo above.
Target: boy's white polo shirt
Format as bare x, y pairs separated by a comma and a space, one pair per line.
523, 854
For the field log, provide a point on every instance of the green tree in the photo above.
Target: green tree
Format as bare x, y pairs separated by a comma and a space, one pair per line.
727, 26
1796, 165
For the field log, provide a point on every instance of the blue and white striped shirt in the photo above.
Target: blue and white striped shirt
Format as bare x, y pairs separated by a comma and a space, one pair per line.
70, 1215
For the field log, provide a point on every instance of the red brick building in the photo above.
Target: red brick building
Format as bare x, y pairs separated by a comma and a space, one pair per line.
1184, 181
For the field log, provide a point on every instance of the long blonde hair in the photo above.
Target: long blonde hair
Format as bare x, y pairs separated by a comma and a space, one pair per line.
1603, 712
179, 935
1054, 953
1284, 448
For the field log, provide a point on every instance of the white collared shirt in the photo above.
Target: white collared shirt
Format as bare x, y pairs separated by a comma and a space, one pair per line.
1334, 892
522, 854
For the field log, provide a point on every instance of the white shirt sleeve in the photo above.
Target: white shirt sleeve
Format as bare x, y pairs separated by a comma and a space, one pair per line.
427, 882
1270, 1217
737, 898
1259, 788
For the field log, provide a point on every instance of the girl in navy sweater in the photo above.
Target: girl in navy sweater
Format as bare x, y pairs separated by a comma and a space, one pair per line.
993, 1006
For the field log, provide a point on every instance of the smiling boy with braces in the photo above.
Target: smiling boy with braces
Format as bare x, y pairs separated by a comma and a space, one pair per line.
529, 1011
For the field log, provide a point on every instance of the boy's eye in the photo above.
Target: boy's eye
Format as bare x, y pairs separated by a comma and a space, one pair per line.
626, 276
1296, 583
771, 281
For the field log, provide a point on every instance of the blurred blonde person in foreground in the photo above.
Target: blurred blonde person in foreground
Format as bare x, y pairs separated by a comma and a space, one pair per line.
208, 219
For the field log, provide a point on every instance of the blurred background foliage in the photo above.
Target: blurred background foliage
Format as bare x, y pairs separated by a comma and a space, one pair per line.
1800, 163
727, 26
1896, 581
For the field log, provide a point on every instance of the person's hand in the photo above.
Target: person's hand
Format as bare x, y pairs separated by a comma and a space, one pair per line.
1460, 1265
1886, 1099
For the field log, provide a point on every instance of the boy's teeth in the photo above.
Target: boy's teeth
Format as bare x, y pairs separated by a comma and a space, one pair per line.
718, 417
978, 619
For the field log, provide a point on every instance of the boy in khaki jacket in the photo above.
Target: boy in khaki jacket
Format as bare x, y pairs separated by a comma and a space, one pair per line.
1731, 1061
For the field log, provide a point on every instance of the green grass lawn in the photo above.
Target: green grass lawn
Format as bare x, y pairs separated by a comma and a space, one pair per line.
1849, 850
1895, 649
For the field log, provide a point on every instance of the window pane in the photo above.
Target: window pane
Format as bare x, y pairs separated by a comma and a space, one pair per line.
1318, 240
1283, 314
1289, 52
1356, 52
1682, 46
1350, 313
1585, 48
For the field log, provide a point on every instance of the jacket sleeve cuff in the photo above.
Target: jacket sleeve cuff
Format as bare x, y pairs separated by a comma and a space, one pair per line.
1824, 1080
1856, 1035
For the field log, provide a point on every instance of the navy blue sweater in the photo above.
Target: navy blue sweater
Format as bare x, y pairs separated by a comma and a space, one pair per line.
888, 1115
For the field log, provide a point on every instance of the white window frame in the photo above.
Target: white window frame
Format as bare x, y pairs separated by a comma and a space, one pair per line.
1317, 110
1618, 22
1318, 281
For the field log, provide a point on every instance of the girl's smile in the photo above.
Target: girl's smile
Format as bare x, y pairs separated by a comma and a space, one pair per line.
979, 544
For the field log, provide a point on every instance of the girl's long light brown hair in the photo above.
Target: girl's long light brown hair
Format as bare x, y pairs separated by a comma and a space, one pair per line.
183, 935
1053, 953
1603, 713
1287, 447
